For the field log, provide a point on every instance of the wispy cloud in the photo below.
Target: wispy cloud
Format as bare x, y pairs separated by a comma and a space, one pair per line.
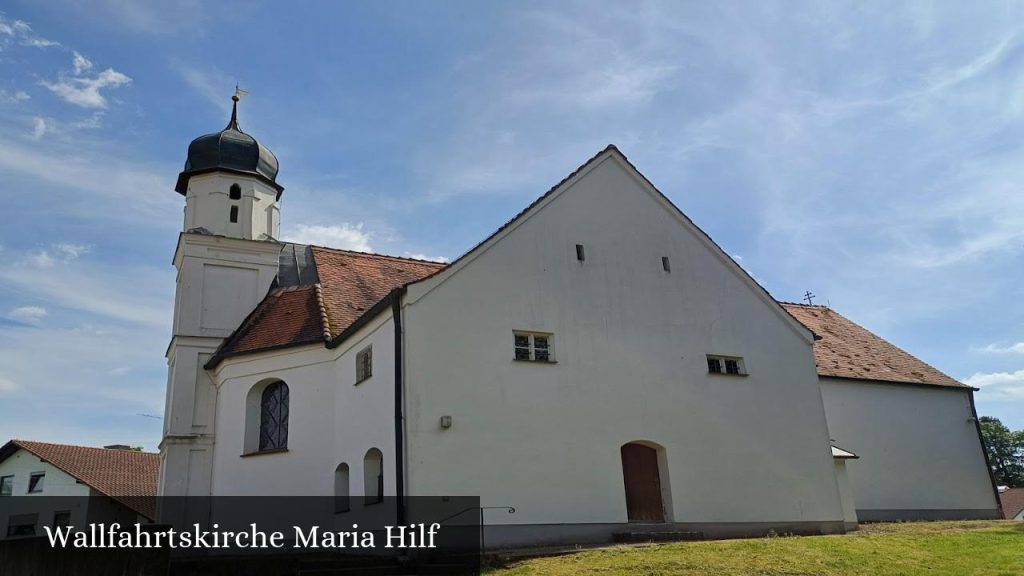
80, 63
85, 91
21, 32
29, 314
14, 97
40, 126
344, 236
1016, 348
999, 385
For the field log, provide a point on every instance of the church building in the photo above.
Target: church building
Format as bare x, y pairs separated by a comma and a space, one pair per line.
598, 363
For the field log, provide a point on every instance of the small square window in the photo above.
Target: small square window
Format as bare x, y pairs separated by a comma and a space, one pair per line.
6, 485
534, 347
364, 364
35, 482
726, 365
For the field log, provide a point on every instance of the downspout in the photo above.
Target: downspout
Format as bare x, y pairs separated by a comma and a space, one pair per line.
396, 314
984, 452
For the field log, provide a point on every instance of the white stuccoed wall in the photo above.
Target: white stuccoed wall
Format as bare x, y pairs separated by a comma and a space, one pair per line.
630, 340
56, 483
919, 450
331, 419
220, 280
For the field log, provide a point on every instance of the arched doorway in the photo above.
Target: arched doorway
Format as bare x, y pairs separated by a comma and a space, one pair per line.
643, 483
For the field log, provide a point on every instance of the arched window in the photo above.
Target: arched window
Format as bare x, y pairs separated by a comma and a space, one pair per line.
373, 477
274, 416
235, 192
341, 503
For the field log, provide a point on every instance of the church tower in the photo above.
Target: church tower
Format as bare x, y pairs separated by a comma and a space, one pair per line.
227, 258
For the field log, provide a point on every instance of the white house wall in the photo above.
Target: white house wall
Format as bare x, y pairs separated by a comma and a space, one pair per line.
23, 464
920, 456
630, 342
331, 420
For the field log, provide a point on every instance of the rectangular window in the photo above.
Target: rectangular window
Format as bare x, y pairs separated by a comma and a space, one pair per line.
535, 347
726, 365
6, 485
234, 213
580, 255
364, 364
35, 482
714, 365
61, 518
665, 264
22, 524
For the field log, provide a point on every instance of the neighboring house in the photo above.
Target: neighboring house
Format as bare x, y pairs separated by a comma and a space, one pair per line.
914, 428
1013, 503
598, 363
120, 483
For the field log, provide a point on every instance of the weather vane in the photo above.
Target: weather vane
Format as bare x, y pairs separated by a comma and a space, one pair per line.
239, 93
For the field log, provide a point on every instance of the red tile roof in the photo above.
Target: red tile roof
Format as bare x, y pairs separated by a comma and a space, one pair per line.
847, 350
127, 476
1013, 502
353, 281
350, 284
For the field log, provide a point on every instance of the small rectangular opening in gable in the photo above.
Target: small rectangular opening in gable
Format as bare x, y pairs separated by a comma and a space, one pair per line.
665, 264
579, 253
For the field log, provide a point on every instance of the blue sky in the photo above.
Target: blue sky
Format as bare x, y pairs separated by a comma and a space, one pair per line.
869, 152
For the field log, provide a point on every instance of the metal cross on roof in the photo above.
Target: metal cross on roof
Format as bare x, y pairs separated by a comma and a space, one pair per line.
809, 297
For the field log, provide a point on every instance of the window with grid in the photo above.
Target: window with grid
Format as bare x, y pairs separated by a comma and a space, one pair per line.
6, 485
726, 365
534, 347
364, 364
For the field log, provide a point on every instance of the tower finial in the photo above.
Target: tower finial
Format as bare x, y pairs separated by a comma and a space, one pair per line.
233, 124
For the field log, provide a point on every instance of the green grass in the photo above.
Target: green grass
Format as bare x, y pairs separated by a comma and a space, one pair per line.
934, 548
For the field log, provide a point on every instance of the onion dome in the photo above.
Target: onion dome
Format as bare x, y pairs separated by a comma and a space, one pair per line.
229, 150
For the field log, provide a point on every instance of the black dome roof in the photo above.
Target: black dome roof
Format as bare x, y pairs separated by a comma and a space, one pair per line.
229, 150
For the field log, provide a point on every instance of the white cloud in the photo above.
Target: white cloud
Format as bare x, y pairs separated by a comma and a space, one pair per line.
21, 32
40, 126
1017, 348
30, 314
81, 63
417, 256
61, 252
999, 385
89, 123
345, 236
13, 97
85, 91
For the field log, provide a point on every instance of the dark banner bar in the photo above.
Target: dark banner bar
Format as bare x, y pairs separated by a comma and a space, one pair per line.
185, 536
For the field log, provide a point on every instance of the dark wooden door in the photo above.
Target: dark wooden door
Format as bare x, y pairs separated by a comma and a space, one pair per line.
643, 483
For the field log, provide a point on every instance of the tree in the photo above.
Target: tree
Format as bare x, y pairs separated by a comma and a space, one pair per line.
1005, 450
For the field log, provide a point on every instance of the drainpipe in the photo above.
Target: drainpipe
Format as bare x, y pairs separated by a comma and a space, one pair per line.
396, 314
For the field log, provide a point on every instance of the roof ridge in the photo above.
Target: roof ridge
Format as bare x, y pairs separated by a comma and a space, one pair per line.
801, 304
19, 441
325, 320
378, 255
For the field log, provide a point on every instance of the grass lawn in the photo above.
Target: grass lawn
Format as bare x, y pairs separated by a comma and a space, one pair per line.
936, 548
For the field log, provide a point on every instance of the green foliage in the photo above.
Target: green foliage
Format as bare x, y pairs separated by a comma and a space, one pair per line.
1005, 450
